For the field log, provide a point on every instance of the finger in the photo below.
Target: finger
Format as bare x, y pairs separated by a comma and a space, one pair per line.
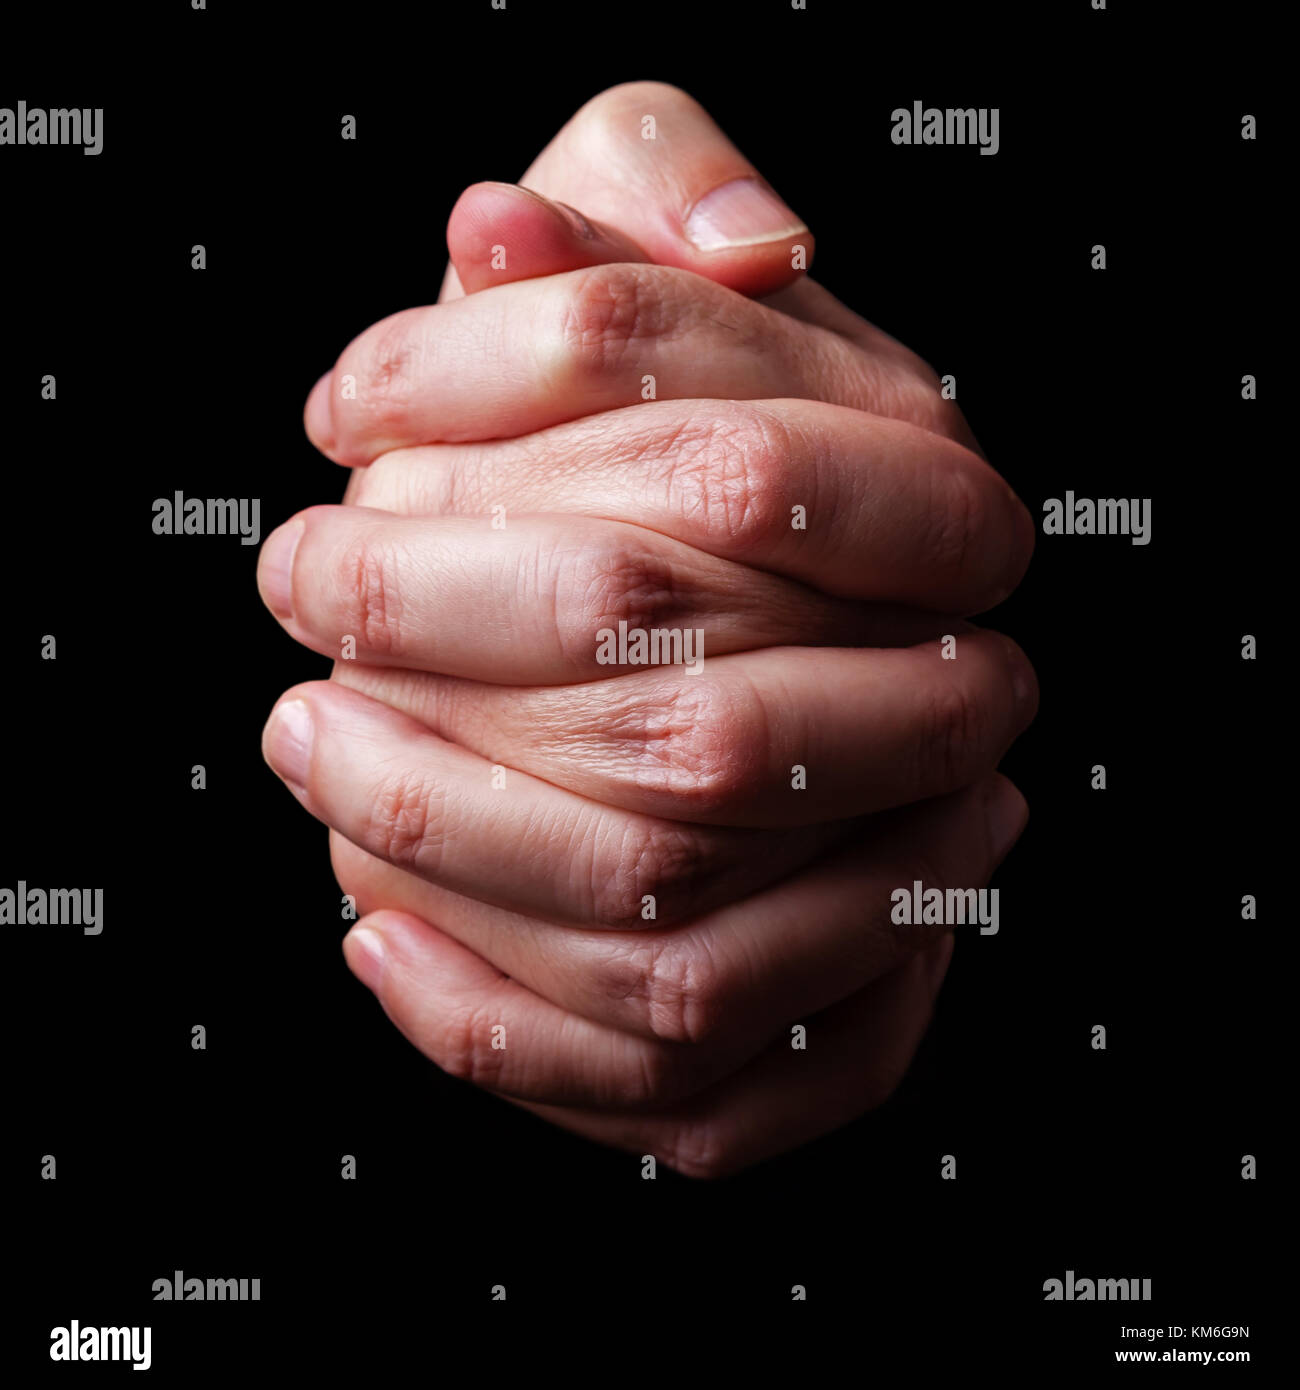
483, 1027
542, 601
407, 796
782, 736
499, 232
686, 198
855, 1057
647, 160
558, 348
736, 976
856, 505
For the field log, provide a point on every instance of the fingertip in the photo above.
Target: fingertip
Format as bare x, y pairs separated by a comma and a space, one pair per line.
1024, 682
317, 416
1024, 537
275, 567
500, 232
482, 204
412, 959
364, 951
379, 944
491, 231
287, 741
1006, 814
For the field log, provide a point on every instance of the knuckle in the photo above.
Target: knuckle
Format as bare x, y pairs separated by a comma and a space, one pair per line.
682, 989
730, 475
620, 970
611, 309
673, 985
386, 366
954, 733
697, 744
461, 1044
605, 586
405, 823
656, 859
608, 112
373, 602
696, 1148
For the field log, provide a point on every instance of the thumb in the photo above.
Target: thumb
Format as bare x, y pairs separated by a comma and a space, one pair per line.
499, 232
646, 161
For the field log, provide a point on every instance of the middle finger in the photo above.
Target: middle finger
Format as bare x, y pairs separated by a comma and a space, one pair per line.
542, 601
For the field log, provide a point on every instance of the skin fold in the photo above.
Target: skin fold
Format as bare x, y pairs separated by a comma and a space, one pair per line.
622, 867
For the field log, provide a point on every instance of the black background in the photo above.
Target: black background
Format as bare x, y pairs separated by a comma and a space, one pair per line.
1119, 907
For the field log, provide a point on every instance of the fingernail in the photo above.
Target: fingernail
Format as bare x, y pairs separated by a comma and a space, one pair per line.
286, 744
577, 221
365, 956
318, 419
1005, 813
578, 224
743, 212
275, 568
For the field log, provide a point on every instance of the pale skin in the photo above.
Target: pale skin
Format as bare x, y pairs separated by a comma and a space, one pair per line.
523, 905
